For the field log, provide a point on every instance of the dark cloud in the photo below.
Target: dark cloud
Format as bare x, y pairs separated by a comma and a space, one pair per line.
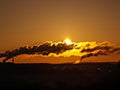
43, 49
82, 49
93, 54
115, 50
107, 48
104, 48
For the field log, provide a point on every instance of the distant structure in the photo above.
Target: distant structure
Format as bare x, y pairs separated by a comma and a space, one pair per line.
13, 60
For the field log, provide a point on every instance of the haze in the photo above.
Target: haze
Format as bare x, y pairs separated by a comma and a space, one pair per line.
29, 22
32, 22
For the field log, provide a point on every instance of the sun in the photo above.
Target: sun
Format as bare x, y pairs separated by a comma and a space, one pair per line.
68, 41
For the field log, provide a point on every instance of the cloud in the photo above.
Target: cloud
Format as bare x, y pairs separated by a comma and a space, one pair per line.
43, 49
93, 54
57, 49
103, 48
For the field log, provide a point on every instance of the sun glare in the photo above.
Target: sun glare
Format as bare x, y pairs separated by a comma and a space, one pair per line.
68, 41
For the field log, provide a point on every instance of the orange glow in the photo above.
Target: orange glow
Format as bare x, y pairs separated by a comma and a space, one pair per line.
68, 41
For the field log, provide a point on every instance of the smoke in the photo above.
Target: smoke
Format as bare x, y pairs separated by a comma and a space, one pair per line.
104, 48
93, 54
43, 49
57, 49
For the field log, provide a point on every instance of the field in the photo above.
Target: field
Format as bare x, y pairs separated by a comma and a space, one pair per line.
83, 76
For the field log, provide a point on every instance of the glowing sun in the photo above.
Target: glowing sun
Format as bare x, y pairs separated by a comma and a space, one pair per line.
68, 41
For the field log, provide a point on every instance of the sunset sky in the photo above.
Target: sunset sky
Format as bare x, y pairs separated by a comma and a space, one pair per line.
32, 22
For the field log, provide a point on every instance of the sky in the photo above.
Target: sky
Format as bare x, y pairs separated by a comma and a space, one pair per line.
32, 22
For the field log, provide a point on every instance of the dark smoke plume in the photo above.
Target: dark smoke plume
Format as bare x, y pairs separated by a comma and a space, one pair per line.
44, 49
82, 49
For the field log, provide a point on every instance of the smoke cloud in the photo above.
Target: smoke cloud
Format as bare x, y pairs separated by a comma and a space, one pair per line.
43, 49
57, 49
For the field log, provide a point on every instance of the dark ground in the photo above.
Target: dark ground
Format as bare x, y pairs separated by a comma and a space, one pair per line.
84, 76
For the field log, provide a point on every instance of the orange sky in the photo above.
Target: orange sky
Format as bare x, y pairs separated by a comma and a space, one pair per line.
28, 22
54, 60
31, 22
